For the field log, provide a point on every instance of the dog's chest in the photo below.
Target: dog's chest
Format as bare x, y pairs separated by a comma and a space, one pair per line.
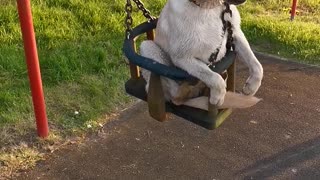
198, 32
209, 37
188, 31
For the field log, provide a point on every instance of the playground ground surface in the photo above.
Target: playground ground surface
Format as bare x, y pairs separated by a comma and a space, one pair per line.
277, 139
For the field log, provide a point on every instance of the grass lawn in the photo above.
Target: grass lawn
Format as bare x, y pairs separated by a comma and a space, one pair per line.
79, 44
266, 25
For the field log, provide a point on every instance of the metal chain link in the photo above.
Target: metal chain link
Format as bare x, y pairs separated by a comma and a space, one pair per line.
129, 20
228, 28
146, 12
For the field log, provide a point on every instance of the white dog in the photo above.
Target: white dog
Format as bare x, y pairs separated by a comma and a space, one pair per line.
188, 33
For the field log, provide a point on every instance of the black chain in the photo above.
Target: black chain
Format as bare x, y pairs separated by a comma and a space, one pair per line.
146, 12
227, 28
129, 20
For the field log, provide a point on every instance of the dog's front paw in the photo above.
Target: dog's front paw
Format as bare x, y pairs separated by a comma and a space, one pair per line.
252, 85
218, 92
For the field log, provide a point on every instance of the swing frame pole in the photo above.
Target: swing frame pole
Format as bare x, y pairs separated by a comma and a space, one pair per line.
31, 55
293, 9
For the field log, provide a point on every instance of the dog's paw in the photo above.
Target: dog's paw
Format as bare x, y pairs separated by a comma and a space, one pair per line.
252, 85
218, 92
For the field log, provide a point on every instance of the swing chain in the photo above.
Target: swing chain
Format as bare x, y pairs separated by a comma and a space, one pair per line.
129, 20
146, 12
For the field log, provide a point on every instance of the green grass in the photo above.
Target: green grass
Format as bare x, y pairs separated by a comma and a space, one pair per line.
79, 45
81, 62
267, 26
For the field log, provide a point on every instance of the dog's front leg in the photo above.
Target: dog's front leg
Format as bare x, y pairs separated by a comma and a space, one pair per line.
201, 71
246, 55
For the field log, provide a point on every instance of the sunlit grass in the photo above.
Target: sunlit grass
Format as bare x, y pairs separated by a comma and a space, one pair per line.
267, 26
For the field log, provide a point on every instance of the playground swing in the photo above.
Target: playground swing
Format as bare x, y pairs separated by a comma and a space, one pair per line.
157, 105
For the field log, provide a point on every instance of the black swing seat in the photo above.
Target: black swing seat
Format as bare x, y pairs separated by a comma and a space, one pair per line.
136, 86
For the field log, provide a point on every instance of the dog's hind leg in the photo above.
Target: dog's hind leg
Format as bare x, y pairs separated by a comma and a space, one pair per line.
201, 71
151, 50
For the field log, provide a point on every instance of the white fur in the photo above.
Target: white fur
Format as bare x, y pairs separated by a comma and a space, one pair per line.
189, 35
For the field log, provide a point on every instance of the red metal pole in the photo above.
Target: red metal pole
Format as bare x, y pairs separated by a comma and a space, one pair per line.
30, 49
293, 9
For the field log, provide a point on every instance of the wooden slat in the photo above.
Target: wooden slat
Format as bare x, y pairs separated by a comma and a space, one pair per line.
156, 100
222, 116
219, 116
212, 111
134, 69
231, 78
150, 35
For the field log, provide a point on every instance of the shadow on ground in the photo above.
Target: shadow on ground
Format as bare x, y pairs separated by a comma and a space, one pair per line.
288, 160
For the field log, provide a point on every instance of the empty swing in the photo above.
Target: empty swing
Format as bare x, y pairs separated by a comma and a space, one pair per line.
158, 107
